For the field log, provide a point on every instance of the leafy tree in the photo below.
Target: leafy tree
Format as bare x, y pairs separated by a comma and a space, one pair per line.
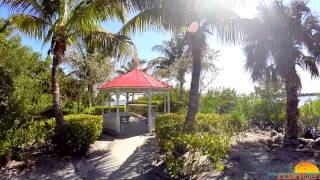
269, 105
281, 38
61, 22
89, 68
25, 89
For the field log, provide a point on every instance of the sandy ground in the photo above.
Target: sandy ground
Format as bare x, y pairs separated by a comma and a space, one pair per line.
254, 156
257, 156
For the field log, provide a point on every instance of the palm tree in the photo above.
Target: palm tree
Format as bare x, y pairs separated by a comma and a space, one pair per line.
129, 66
62, 22
173, 60
281, 38
204, 17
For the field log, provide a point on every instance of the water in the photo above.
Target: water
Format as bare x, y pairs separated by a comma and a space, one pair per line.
305, 99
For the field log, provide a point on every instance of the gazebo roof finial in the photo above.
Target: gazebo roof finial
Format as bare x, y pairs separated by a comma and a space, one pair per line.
136, 61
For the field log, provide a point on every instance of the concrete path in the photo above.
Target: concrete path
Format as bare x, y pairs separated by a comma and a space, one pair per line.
122, 157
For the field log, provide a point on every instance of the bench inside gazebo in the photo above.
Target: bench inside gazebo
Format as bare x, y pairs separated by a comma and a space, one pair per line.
135, 81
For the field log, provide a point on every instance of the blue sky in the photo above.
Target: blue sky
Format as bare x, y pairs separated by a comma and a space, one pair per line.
143, 42
231, 59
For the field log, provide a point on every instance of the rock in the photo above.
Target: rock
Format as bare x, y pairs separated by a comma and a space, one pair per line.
274, 133
278, 138
305, 141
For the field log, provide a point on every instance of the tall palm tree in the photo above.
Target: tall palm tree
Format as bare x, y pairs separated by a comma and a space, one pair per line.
173, 60
283, 37
61, 22
129, 66
204, 16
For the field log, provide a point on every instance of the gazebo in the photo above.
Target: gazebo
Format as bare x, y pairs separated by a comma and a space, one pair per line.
135, 81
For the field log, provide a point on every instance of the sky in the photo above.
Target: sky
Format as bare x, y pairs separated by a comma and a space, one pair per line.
231, 58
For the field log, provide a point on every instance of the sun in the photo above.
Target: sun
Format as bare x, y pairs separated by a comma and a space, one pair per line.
306, 167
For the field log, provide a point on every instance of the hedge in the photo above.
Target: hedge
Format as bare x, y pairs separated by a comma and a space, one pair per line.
155, 103
183, 150
78, 133
74, 137
97, 110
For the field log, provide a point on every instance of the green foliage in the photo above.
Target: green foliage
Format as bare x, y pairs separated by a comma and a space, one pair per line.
211, 138
218, 101
310, 115
78, 133
23, 140
29, 81
141, 109
269, 106
97, 110
155, 103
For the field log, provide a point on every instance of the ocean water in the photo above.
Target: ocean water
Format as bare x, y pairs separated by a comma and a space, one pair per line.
305, 99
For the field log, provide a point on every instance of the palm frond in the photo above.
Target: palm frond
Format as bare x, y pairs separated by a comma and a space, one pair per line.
111, 44
22, 6
30, 25
91, 13
309, 63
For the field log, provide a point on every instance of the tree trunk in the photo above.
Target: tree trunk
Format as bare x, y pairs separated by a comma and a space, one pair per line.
196, 42
55, 86
181, 90
291, 135
90, 91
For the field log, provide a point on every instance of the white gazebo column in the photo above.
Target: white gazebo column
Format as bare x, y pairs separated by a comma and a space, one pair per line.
168, 102
150, 124
118, 113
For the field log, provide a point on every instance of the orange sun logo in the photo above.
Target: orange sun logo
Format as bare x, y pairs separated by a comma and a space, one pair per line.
306, 167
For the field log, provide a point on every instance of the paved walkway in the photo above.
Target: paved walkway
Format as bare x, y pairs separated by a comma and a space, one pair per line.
122, 157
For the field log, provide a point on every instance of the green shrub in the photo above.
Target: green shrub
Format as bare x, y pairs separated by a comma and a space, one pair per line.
21, 141
97, 110
218, 101
310, 117
210, 139
155, 103
78, 133
141, 109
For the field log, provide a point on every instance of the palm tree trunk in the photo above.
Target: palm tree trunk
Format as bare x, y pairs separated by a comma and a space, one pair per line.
292, 110
181, 90
56, 91
196, 43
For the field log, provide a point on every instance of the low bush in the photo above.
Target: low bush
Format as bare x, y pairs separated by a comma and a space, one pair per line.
155, 103
187, 154
309, 120
97, 110
78, 133
20, 142
141, 109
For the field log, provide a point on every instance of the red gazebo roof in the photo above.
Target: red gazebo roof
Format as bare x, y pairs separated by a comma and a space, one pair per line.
135, 79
